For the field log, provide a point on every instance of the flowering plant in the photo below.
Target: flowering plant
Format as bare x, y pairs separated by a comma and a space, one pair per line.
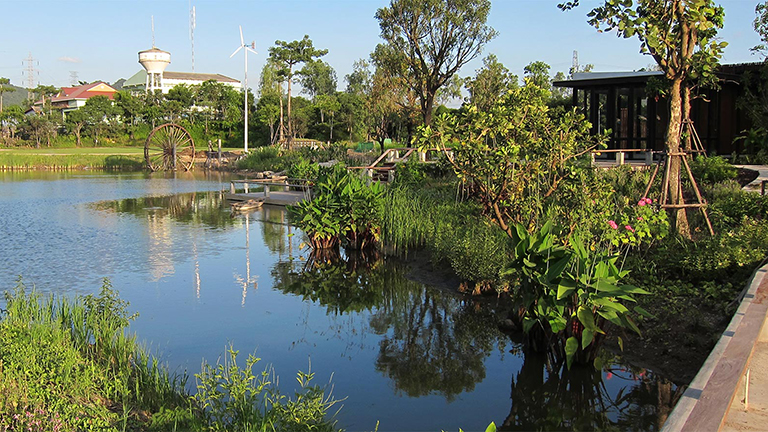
637, 224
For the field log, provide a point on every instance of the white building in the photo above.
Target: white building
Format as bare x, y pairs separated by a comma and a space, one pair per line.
155, 77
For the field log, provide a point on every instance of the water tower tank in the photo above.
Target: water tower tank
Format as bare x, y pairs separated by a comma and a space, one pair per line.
154, 60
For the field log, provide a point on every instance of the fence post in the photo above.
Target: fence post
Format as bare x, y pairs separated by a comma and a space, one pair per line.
649, 157
620, 158
219, 152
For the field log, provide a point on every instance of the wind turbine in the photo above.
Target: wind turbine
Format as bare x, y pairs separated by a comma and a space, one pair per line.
252, 48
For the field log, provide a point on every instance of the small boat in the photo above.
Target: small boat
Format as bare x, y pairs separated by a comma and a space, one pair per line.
251, 204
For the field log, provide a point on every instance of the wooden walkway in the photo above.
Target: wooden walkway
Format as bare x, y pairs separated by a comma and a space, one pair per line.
279, 192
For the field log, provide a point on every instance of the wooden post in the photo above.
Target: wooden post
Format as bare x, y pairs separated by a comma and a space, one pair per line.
219, 151
649, 157
232, 187
592, 158
422, 156
266, 191
245, 186
620, 158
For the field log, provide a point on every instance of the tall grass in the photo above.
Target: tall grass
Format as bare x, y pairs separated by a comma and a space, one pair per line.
14, 161
453, 232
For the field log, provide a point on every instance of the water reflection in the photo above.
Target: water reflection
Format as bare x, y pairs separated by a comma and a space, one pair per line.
436, 343
620, 397
425, 343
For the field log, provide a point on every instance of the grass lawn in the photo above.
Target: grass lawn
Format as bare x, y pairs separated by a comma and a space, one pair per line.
118, 151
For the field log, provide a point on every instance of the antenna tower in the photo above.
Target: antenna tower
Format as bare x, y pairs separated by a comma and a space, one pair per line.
73, 78
32, 72
153, 32
575, 62
192, 23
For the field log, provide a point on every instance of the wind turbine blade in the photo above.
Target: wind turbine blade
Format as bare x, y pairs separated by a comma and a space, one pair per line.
236, 51
241, 36
251, 50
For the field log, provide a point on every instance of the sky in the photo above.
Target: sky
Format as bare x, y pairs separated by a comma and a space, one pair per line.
100, 39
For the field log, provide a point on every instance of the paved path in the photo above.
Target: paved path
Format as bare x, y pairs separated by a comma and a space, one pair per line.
756, 184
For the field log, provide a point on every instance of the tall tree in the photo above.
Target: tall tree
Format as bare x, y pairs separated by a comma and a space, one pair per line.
761, 27
5, 87
359, 81
329, 105
287, 55
318, 78
430, 40
681, 36
489, 83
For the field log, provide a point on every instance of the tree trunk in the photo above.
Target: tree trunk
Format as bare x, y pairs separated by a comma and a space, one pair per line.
673, 146
426, 107
331, 138
687, 118
290, 122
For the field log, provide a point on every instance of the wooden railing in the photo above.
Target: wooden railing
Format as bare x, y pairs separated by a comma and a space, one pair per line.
621, 155
398, 155
285, 183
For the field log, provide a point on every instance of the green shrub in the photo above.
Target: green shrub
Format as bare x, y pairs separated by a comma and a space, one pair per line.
262, 159
712, 169
729, 204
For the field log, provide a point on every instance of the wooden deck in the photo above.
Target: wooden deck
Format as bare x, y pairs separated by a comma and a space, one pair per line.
279, 192
274, 198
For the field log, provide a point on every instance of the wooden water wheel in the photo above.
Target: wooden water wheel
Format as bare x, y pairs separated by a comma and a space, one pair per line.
169, 147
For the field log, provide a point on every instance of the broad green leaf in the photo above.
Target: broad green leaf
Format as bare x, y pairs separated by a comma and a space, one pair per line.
491, 427
644, 312
586, 318
557, 324
556, 269
565, 288
586, 338
571, 346
621, 343
598, 363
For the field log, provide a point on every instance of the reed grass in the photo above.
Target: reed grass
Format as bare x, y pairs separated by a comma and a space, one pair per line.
453, 231
12, 161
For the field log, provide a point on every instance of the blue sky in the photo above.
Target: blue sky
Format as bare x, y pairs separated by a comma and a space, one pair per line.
100, 39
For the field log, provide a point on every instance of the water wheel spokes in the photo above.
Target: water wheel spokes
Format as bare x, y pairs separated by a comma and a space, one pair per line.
169, 147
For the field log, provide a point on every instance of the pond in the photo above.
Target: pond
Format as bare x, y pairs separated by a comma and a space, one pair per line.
404, 354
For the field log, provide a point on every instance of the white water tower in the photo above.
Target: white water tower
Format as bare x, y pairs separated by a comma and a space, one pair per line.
154, 61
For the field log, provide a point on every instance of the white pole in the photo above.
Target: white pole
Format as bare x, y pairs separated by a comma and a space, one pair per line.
245, 102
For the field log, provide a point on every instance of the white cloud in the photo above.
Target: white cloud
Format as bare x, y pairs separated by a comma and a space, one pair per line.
69, 59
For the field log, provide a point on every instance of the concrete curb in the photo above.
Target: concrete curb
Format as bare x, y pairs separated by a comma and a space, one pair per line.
696, 390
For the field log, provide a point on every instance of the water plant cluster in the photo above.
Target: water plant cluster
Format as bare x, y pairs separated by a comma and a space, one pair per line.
69, 364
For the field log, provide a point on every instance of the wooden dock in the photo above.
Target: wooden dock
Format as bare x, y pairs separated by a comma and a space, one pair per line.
279, 192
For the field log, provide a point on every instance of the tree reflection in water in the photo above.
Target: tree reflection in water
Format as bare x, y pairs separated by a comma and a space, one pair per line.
434, 342
199, 208
547, 396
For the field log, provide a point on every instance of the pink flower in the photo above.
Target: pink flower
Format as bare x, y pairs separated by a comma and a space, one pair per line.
642, 202
639, 218
609, 375
629, 228
648, 200
613, 224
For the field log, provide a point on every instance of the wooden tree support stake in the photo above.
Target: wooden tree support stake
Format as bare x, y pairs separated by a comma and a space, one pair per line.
663, 202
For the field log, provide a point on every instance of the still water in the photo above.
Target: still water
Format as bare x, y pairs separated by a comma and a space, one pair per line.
410, 356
